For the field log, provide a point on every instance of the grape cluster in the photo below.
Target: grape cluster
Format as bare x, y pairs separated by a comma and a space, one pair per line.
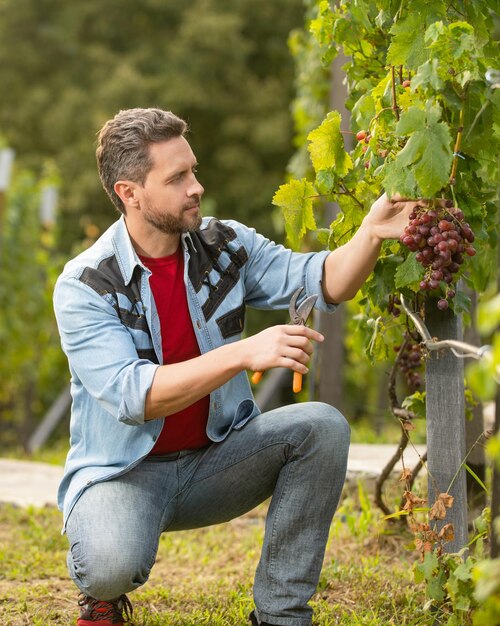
410, 363
440, 238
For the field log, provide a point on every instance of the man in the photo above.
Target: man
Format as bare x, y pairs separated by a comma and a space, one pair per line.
165, 434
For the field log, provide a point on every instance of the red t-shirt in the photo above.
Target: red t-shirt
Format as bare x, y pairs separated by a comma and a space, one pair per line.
187, 428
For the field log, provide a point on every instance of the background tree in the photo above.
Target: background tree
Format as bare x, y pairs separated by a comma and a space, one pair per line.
66, 68
33, 369
224, 66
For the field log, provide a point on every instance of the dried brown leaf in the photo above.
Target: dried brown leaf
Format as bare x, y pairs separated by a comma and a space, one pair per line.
438, 510
406, 474
446, 499
412, 501
424, 545
447, 533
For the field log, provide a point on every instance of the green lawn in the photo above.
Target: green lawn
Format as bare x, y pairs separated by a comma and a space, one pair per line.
204, 577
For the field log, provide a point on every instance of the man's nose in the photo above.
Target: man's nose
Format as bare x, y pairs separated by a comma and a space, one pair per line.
196, 188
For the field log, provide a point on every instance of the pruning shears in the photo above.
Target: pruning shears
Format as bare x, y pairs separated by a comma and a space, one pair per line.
298, 316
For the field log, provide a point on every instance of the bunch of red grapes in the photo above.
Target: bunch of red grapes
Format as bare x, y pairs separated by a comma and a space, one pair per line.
440, 238
410, 363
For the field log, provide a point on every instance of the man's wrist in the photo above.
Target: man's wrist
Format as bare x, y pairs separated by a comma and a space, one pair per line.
370, 230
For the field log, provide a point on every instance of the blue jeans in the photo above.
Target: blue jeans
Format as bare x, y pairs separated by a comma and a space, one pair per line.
297, 454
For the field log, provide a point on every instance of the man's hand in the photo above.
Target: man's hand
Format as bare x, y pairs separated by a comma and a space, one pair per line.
286, 345
388, 217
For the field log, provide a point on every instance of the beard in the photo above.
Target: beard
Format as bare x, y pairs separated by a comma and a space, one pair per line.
174, 224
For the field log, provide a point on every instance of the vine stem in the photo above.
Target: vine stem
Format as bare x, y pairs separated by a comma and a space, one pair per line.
374, 119
480, 439
403, 416
456, 150
395, 107
351, 195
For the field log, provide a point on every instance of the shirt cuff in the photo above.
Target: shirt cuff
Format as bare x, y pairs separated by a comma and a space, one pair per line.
136, 384
314, 281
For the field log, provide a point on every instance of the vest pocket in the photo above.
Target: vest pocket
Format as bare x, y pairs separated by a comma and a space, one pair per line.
232, 323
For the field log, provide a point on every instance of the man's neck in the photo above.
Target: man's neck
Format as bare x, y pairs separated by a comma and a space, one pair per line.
150, 242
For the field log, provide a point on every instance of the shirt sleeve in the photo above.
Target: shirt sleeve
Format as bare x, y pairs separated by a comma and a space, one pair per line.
102, 355
273, 273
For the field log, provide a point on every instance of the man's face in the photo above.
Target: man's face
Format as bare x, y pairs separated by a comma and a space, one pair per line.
171, 194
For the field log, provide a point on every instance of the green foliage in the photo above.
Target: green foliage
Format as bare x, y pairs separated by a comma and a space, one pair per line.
326, 147
484, 376
451, 581
416, 75
417, 87
295, 199
486, 576
33, 368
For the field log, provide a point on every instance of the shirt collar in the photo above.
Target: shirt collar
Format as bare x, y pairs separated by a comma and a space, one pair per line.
125, 252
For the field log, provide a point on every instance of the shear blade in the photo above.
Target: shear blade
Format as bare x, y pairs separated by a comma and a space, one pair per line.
299, 314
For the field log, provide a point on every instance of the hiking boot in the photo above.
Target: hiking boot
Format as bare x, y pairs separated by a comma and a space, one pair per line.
104, 612
253, 619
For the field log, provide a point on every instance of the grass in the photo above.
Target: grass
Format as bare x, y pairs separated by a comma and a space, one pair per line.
204, 577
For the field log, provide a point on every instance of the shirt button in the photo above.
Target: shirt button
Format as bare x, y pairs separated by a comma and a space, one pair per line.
198, 324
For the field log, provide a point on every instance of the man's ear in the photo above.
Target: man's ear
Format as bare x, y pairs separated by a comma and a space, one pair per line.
126, 190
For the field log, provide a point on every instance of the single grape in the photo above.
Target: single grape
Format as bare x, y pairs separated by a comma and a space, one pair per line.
437, 275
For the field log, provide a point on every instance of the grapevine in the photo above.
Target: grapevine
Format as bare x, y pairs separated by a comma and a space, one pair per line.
426, 123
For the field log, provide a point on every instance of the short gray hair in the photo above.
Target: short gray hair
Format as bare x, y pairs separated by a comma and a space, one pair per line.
123, 145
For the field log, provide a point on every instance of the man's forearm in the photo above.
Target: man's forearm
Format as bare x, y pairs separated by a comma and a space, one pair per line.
179, 385
347, 267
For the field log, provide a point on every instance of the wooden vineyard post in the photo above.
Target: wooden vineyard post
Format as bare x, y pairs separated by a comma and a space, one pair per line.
330, 355
446, 423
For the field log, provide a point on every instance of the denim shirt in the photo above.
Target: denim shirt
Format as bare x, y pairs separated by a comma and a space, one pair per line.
110, 332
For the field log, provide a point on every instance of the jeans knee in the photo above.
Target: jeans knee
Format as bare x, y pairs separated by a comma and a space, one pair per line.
107, 576
330, 427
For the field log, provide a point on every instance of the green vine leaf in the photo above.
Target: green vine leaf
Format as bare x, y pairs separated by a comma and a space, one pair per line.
408, 33
326, 146
399, 179
406, 46
408, 273
427, 76
295, 199
428, 150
